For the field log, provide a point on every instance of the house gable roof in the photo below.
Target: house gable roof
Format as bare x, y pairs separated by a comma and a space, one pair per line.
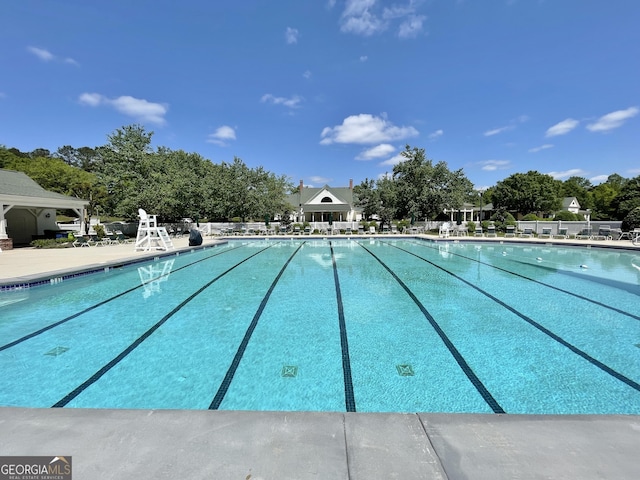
17, 188
570, 202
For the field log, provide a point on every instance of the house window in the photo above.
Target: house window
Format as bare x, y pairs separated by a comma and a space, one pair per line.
326, 200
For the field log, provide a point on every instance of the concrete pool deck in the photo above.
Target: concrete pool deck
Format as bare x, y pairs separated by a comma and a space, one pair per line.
168, 444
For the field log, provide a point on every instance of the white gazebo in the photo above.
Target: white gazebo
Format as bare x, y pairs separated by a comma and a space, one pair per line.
27, 210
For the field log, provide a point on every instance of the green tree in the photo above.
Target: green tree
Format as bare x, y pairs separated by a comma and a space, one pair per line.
424, 190
530, 192
628, 199
580, 188
367, 198
605, 205
124, 169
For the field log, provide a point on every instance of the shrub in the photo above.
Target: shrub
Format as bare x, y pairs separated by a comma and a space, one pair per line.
529, 217
51, 243
632, 220
566, 215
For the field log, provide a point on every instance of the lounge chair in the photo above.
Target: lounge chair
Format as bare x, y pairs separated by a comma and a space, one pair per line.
510, 231
478, 232
394, 229
461, 231
122, 238
491, 231
526, 232
82, 241
604, 233
385, 229
307, 230
348, 231
360, 229
546, 232
296, 230
444, 230
584, 234
562, 233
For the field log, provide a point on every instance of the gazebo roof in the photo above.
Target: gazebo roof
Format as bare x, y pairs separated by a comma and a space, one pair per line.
18, 189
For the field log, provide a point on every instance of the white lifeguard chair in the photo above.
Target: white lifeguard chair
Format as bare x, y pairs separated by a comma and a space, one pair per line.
150, 235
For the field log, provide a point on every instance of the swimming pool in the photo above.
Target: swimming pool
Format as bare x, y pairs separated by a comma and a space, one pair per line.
368, 325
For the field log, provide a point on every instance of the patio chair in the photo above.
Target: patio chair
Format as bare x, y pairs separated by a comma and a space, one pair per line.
604, 233
584, 234
372, 230
444, 230
526, 233
307, 230
510, 231
296, 230
82, 241
348, 231
546, 232
385, 229
394, 229
360, 229
491, 231
461, 231
478, 232
563, 232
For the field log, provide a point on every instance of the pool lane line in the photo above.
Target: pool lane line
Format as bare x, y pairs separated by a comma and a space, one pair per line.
468, 371
349, 397
103, 302
235, 363
96, 376
553, 287
581, 353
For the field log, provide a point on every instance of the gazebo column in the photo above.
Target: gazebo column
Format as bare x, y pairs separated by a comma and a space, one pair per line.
6, 243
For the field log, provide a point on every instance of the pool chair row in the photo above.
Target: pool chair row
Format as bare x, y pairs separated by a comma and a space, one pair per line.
94, 241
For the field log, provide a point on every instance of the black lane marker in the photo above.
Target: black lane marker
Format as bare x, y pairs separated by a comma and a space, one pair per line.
553, 287
533, 323
96, 376
228, 378
349, 397
99, 304
473, 378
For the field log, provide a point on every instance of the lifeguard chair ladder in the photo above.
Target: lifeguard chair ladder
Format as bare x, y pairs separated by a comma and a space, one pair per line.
150, 235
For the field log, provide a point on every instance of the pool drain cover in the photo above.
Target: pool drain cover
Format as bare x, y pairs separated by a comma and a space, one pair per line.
289, 371
57, 351
405, 370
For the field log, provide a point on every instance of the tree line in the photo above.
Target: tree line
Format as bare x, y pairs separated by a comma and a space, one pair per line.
127, 174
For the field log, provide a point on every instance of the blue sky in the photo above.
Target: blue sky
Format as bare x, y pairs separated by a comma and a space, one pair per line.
330, 90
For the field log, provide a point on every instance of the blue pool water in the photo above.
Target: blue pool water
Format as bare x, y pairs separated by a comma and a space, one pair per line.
368, 325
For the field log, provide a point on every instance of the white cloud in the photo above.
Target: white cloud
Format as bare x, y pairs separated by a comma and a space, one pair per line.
379, 151
436, 134
365, 129
91, 99
307, 74
319, 180
47, 56
612, 120
221, 135
291, 35
41, 53
562, 128
541, 147
492, 165
574, 172
137, 108
599, 179
363, 58
365, 17
393, 160
496, 131
411, 27
292, 102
